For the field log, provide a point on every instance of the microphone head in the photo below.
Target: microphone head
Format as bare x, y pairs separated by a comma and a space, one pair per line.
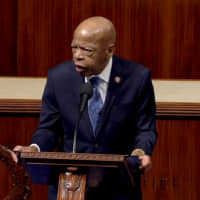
86, 89
86, 92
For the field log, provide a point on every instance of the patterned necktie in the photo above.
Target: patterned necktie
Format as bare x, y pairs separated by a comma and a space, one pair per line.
95, 104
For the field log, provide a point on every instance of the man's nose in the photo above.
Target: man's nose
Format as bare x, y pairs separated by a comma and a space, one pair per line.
78, 54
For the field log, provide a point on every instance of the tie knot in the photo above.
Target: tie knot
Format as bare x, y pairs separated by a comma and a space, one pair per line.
95, 81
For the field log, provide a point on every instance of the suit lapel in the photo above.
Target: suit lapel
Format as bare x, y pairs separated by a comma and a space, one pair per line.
115, 81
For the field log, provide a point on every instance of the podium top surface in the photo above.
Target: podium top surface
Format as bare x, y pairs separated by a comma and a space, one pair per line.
75, 159
32, 159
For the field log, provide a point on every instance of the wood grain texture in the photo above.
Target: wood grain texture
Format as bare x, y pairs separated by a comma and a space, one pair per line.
8, 37
17, 129
178, 109
162, 35
20, 188
22, 106
72, 186
176, 167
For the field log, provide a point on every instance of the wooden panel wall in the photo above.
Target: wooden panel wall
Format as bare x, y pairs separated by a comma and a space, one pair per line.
8, 37
17, 129
163, 35
176, 167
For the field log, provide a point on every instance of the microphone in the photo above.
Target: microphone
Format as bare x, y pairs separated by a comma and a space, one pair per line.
86, 92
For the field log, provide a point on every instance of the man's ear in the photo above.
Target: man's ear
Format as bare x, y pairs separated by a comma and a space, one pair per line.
111, 49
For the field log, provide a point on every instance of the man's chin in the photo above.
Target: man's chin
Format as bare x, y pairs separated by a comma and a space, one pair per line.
82, 74
82, 71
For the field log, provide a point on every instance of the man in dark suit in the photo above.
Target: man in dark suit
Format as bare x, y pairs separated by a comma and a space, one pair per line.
126, 123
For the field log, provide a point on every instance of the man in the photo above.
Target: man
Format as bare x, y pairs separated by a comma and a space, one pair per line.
126, 123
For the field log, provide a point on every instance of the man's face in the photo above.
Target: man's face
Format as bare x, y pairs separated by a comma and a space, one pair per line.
90, 55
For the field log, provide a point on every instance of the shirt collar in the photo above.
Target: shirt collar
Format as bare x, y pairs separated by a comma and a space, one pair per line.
105, 74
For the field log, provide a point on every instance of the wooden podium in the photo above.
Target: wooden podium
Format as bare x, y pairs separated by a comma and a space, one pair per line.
72, 183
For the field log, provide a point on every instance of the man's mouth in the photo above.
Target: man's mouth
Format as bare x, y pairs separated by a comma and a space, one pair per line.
80, 68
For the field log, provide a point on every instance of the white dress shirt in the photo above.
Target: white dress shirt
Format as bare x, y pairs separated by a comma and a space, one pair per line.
104, 75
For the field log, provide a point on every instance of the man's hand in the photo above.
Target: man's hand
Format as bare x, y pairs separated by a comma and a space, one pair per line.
145, 160
146, 163
22, 149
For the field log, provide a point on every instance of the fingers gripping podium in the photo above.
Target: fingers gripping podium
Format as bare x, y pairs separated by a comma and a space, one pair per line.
72, 183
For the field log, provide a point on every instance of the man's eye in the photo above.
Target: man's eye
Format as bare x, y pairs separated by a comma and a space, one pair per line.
86, 49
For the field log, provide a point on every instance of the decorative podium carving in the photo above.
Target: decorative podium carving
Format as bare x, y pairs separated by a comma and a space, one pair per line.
20, 179
72, 184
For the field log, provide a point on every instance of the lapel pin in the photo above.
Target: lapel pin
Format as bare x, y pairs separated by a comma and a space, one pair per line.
117, 79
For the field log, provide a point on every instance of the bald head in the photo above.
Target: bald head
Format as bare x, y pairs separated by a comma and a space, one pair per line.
93, 45
98, 28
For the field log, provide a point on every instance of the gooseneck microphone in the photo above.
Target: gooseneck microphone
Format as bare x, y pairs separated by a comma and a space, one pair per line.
86, 92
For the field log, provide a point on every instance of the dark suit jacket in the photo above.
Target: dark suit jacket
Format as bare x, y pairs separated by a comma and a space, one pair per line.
128, 115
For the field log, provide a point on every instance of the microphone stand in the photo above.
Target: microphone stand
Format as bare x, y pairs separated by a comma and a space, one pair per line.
75, 132
85, 93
